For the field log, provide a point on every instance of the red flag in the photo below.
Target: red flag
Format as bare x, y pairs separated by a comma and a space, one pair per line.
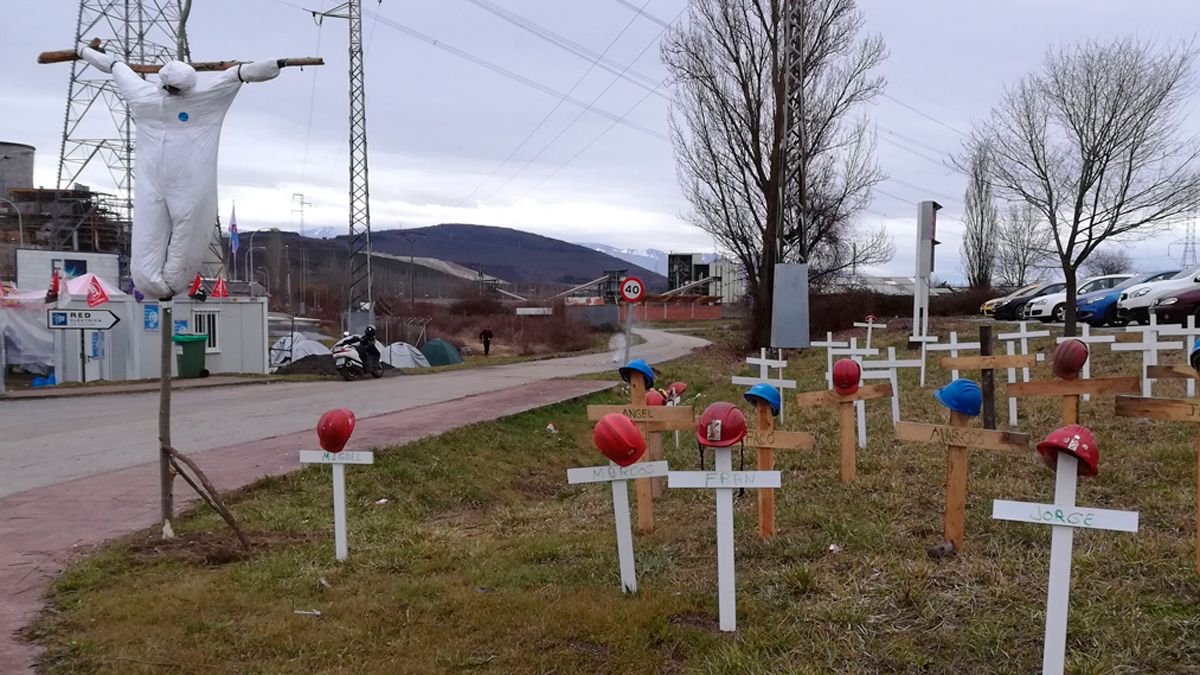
52, 294
220, 290
196, 286
95, 293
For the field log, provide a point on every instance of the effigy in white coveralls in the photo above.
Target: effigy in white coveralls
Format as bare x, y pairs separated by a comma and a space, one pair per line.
178, 124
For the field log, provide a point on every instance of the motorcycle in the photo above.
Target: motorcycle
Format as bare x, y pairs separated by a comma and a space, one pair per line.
353, 360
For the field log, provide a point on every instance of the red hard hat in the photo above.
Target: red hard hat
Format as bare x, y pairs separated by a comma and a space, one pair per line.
334, 429
618, 439
1074, 440
721, 425
655, 397
1069, 358
677, 388
846, 376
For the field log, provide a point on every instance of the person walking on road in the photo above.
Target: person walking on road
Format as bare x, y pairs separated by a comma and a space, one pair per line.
486, 337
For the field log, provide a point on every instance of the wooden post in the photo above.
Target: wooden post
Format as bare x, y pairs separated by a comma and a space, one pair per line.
987, 379
956, 487
654, 452
845, 405
166, 326
645, 491
848, 460
766, 462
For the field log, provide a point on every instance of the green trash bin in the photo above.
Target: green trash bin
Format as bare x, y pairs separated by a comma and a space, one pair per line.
190, 359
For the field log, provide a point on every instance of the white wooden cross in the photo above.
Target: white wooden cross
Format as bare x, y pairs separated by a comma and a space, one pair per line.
1150, 346
860, 407
619, 476
870, 325
764, 376
925, 341
339, 460
1064, 516
724, 480
1190, 333
1089, 340
886, 369
829, 344
954, 347
1023, 335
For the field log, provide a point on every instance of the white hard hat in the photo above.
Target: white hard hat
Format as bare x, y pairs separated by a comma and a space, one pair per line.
179, 75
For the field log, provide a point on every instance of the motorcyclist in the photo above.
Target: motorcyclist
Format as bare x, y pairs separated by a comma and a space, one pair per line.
367, 351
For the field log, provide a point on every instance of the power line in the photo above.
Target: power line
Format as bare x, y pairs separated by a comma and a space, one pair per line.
548, 115
918, 188
644, 13
500, 70
923, 156
924, 114
909, 139
644, 81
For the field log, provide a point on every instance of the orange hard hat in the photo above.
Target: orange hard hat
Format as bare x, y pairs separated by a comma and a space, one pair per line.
1073, 440
721, 425
618, 439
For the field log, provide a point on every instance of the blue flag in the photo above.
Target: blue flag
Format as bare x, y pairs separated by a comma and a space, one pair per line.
233, 233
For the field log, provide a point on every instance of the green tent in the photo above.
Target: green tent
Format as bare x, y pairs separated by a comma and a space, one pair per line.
441, 353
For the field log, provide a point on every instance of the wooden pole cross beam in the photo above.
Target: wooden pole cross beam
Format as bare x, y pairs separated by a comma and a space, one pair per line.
1088, 339
888, 367
766, 440
846, 412
1173, 410
954, 347
1190, 333
1071, 390
958, 439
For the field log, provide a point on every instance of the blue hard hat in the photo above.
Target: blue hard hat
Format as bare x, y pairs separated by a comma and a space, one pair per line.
640, 366
765, 393
1194, 358
962, 396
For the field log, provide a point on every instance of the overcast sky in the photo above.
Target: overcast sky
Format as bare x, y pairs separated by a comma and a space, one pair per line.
440, 125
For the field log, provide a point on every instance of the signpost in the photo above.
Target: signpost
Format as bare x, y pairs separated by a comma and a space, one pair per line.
1023, 336
81, 320
766, 440
953, 346
619, 478
847, 459
632, 292
959, 439
724, 481
1064, 516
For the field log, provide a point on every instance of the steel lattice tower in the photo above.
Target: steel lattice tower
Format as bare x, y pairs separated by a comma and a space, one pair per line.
97, 128
361, 301
791, 189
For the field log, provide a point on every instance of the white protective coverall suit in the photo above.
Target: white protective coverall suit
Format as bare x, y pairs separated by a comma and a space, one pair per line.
175, 172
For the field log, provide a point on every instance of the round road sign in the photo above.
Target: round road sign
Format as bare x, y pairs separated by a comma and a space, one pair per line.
632, 289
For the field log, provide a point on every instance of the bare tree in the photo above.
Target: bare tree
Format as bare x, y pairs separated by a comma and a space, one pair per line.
1023, 246
1107, 261
1093, 142
728, 128
980, 222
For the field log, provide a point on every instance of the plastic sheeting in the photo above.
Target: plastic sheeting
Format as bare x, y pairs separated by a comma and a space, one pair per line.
28, 343
294, 347
403, 355
175, 173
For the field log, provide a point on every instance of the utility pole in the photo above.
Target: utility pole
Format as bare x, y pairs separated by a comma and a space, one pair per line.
301, 203
412, 289
361, 307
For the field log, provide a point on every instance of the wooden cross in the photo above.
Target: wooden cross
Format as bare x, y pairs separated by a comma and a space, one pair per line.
829, 344
1071, 390
619, 476
338, 460
1088, 339
986, 364
724, 480
870, 325
649, 419
846, 413
953, 346
860, 407
1023, 335
1064, 515
1190, 332
887, 368
766, 440
764, 376
1150, 346
1174, 410
958, 438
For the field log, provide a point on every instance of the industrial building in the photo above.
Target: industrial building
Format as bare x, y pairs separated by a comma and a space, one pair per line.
704, 274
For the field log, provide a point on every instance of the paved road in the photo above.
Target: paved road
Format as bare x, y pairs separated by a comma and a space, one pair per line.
51, 441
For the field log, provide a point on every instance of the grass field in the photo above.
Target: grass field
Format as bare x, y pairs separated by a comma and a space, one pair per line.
483, 559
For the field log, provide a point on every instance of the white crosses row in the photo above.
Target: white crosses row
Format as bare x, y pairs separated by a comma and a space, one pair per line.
870, 326
338, 460
1150, 346
764, 376
1023, 336
886, 369
1064, 516
1190, 333
829, 344
620, 476
954, 347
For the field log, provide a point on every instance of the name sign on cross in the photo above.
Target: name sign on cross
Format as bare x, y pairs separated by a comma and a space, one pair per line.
1064, 516
619, 477
724, 481
338, 460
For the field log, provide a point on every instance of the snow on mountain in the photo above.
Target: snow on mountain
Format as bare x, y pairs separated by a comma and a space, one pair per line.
650, 258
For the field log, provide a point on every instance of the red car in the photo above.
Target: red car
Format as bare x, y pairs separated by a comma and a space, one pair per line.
1176, 307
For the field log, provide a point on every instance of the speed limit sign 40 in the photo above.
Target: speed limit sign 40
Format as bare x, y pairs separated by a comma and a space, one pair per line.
632, 289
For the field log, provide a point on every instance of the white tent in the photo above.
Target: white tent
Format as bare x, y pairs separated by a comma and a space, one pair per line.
403, 355
291, 348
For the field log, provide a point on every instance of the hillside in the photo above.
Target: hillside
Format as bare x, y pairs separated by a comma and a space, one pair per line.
520, 257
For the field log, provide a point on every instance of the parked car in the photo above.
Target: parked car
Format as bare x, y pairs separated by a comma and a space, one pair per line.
1053, 306
1100, 307
1178, 305
989, 307
1013, 309
1135, 302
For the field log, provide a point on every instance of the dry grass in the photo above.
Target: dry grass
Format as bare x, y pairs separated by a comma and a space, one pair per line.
485, 560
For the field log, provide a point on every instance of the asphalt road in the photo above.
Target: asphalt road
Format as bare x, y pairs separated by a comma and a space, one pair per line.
50, 441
